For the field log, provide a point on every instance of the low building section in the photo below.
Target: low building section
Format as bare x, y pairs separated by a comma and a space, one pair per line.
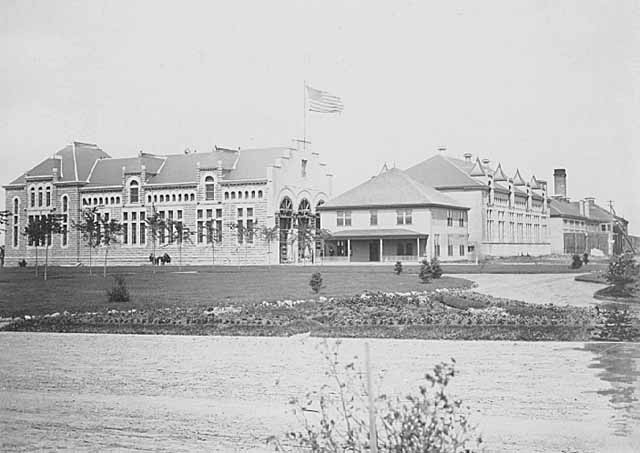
508, 215
582, 226
392, 217
234, 206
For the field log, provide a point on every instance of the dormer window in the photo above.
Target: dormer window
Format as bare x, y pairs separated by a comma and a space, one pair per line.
209, 188
134, 192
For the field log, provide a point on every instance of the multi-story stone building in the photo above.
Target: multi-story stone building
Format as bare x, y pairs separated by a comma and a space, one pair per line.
392, 217
508, 215
241, 206
582, 226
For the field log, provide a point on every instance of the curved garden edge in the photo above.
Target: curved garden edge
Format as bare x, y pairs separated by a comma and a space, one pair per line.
603, 294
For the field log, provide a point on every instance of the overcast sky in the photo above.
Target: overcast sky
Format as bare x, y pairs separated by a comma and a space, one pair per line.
536, 85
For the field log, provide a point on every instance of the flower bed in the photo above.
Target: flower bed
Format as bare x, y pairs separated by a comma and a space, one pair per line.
439, 314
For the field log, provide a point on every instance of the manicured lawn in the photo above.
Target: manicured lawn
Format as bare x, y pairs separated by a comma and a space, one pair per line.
520, 268
74, 290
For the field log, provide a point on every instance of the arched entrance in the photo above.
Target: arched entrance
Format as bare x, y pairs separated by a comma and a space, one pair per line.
285, 224
305, 230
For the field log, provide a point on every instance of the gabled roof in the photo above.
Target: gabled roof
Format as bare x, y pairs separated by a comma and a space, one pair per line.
518, 180
565, 208
535, 184
442, 172
179, 168
74, 163
477, 169
391, 188
499, 175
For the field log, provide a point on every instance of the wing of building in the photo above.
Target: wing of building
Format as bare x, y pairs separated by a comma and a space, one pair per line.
392, 217
229, 200
509, 213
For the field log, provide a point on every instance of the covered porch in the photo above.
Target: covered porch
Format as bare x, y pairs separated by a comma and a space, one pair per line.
380, 245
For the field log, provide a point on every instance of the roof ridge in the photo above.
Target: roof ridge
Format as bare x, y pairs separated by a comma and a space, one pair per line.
458, 168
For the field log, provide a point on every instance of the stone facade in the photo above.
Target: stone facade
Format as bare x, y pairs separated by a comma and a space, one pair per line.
229, 188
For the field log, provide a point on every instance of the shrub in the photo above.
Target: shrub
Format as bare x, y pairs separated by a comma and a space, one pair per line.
398, 268
316, 282
576, 262
585, 258
119, 291
436, 269
22, 263
425, 271
427, 420
623, 271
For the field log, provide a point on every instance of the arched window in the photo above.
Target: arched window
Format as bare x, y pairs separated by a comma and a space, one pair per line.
161, 198
233, 195
192, 197
101, 200
155, 198
240, 195
246, 194
39, 196
15, 206
286, 207
134, 192
117, 200
65, 203
33, 198
48, 196
304, 207
253, 194
226, 195
179, 197
112, 200
148, 198
173, 197
259, 193
209, 188
95, 200
16, 222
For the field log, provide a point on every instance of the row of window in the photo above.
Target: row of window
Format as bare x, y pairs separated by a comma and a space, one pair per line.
461, 217
165, 198
451, 247
403, 217
517, 232
43, 198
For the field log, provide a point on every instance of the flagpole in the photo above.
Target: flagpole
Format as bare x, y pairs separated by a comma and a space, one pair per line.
304, 118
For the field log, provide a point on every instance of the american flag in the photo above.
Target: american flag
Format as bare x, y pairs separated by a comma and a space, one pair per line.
323, 102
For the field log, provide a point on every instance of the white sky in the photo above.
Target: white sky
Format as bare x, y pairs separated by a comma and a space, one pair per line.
535, 85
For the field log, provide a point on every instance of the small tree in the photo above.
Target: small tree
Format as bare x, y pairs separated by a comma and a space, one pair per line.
316, 282
268, 235
425, 271
245, 234
34, 234
50, 224
180, 233
155, 225
88, 227
576, 262
213, 237
119, 291
111, 231
623, 272
398, 268
436, 269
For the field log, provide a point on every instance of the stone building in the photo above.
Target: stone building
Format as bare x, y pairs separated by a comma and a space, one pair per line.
509, 215
392, 217
582, 226
240, 206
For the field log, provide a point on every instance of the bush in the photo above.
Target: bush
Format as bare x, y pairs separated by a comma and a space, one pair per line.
398, 268
425, 271
436, 269
623, 271
576, 262
22, 263
427, 420
119, 291
585, 258
316, 282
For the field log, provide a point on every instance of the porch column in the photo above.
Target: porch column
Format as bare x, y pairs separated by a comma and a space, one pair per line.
349, 249
381, 250
418, 247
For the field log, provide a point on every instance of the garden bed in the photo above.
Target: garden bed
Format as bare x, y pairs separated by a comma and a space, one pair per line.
433, 314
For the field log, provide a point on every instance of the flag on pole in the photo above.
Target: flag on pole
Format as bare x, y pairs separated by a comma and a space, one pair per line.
323, 102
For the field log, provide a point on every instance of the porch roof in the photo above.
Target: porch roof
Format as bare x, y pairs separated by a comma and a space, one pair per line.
377, 233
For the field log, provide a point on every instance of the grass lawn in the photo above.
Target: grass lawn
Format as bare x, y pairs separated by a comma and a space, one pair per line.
521, 268
74, 290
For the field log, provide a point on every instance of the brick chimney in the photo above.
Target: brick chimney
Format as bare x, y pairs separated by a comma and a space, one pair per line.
589, 202
560, 182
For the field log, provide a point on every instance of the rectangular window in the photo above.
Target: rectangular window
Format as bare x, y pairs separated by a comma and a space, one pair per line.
373, 217
48, 198
134, 216
219, 230
33, 199
40, 197
404, 217
125, 231
436, 245
449, 248
200, 231
134, 237
239, 212
343, 218
249, 212
449, 217
199, 213
65, 235
249, 231
209, 213
461, 216
170, 223
161, 228
179, 214
462, 249
240, 227
15, 236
